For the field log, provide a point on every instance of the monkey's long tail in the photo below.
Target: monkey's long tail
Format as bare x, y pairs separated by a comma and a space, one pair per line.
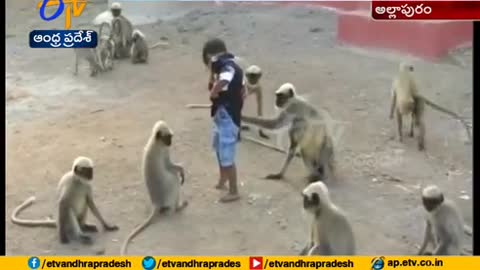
136, 231
452, 114
30, 222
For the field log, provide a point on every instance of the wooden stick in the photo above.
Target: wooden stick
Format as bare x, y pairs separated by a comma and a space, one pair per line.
158, 44
273, 147
264, 144
199, 106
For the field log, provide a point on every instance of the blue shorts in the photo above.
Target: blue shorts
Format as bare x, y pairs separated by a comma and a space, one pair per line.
225, 137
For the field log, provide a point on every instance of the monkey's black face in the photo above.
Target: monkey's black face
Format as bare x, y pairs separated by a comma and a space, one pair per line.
253, 78
312, 202
116, 12
282, 98
410, 68
84, 172
431, 203
166, 139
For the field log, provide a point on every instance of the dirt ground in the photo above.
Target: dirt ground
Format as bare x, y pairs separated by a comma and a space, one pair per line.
54, 117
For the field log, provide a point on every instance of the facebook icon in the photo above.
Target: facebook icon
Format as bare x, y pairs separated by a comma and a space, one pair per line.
34, 263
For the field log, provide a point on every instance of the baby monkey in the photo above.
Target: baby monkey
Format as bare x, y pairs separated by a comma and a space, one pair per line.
139, 49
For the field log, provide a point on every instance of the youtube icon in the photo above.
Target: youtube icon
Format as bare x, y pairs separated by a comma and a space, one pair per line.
256, 263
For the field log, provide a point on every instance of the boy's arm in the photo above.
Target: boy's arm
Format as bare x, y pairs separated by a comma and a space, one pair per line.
211, 81
224, 78
218, 87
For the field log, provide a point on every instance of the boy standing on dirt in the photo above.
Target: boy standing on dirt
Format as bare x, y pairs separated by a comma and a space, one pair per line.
226, 93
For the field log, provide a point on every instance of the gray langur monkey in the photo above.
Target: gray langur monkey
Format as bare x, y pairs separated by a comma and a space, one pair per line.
75, 197
106, 46
252, 84
91, 55
444, 225
163, 178
122, 30
406, 100
99, 58
330, 231
306, 132
139, 50
105, 51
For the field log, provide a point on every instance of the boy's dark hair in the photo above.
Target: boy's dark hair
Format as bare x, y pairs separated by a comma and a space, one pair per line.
213, 46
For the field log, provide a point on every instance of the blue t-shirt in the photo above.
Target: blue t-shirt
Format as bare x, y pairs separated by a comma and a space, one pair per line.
230, 98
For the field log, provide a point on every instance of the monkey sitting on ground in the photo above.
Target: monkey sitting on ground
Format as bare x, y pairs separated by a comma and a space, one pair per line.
106, 50
122, 30
106, 46
406, 100
252, 75
139, 50
92, 57
162, 177
75, 197
306, 132
444, 224
330, 231
99, 58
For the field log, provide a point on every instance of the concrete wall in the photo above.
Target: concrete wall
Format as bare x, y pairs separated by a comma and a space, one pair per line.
425, 39
430, 40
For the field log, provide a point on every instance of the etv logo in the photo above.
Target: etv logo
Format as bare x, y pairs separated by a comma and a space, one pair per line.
75, 6
256, 263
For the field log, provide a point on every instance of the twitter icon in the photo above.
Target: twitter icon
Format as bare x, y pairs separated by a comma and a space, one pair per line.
149, 263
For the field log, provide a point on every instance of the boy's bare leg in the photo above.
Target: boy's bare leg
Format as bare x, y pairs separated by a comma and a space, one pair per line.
222, 181
223, 177
232, 195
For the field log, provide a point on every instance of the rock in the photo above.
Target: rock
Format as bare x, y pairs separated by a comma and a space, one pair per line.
283, 224
316, 29
99, 251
